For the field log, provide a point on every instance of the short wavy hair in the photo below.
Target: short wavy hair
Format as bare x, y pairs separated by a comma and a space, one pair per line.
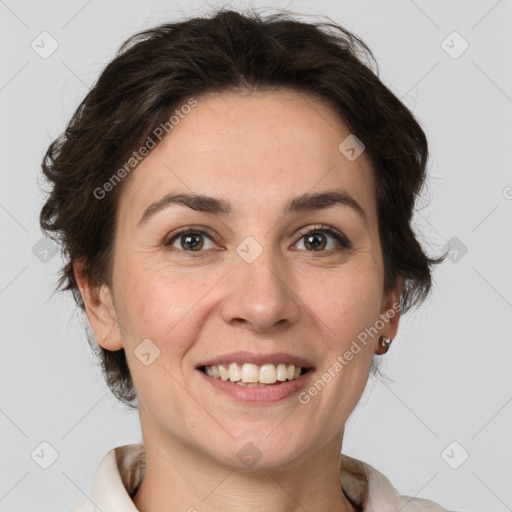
156, 70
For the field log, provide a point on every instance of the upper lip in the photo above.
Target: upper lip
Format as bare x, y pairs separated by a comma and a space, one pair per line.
258, 359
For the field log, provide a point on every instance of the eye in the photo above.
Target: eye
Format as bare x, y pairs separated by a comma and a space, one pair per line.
315, 239
190, 240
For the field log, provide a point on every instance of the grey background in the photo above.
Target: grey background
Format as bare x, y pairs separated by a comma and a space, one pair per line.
451, 359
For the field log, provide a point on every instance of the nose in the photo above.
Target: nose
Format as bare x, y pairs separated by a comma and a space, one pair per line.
260, 295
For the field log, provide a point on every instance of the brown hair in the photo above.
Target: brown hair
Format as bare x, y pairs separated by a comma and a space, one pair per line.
157, 70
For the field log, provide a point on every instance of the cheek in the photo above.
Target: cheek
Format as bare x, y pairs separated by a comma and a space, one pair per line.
345, 302
157, 303
346, 309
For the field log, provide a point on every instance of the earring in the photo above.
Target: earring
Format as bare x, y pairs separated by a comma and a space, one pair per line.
385, 342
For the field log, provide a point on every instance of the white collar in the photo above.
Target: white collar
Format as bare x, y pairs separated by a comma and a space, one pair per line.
122, 469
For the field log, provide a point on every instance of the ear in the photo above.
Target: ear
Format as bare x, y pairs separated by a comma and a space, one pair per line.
390, 313
101, 313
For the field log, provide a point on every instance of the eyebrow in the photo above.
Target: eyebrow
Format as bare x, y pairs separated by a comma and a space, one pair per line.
303, 203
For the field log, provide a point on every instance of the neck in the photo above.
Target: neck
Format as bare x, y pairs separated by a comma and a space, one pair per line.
178, 477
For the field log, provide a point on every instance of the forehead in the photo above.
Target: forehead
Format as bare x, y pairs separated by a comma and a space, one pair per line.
252, 147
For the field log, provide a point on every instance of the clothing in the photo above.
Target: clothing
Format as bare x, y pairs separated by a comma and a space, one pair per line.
122, 470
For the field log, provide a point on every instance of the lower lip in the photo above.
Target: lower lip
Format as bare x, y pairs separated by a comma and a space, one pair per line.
267, 394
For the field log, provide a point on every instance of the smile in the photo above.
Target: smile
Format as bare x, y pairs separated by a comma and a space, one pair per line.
252, 375
257, 393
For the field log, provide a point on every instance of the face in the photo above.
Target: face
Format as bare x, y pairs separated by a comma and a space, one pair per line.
301, 279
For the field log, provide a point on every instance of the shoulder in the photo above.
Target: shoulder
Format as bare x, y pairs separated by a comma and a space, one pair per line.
410, 504
372, 491
116, 477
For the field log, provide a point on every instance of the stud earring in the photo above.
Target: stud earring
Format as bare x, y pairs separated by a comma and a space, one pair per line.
385, 342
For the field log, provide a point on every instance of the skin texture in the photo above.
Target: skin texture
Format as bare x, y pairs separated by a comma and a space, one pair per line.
256, 151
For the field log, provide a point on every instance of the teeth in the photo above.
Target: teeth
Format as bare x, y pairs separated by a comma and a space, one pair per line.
281, 372
224, 374
234, 372
249, 373
251, 384
252, 375
268, 374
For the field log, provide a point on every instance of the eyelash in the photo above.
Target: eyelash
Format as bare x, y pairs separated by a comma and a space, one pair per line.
339, 237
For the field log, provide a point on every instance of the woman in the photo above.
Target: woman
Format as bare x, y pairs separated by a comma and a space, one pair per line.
234, 199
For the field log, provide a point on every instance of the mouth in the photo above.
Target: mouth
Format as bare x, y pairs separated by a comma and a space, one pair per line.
252, 375
253, 378
243, 384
